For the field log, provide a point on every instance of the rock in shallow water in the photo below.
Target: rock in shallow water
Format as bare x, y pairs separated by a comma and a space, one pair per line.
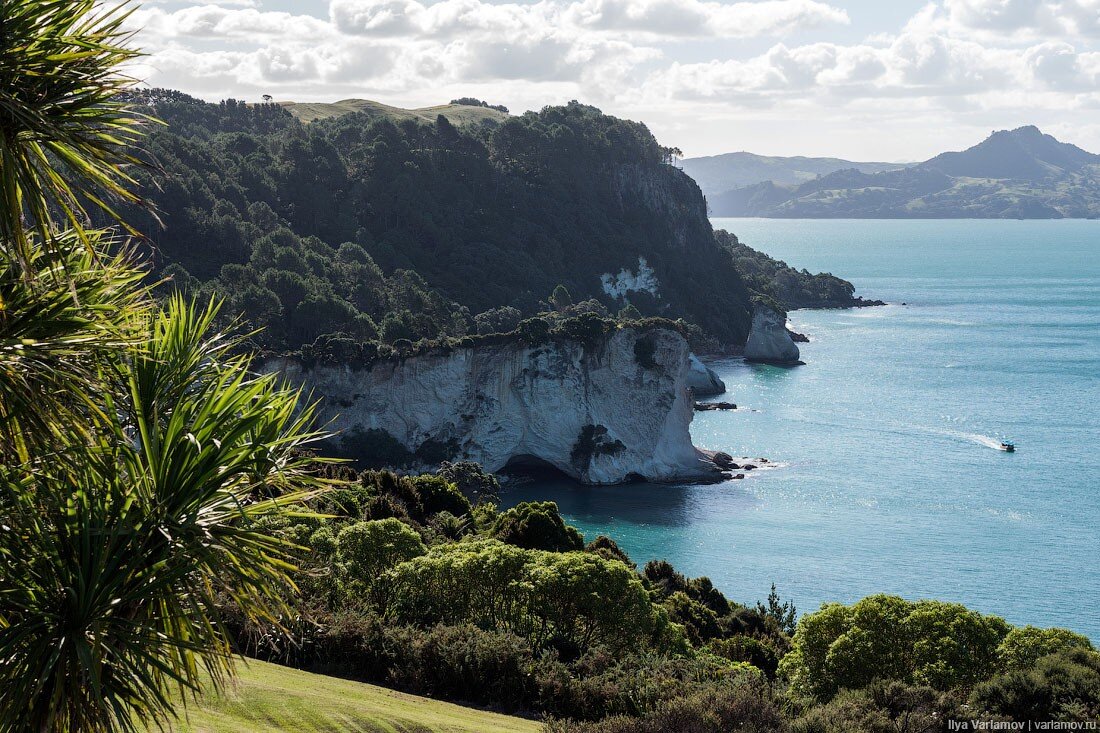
702, 380
769, 342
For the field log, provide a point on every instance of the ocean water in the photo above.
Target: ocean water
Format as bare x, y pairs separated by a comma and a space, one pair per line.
888, 479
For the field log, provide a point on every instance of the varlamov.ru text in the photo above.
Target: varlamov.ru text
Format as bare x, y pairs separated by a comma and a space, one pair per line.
1029, 725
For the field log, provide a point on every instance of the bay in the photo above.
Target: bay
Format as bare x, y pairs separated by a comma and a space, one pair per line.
888, 481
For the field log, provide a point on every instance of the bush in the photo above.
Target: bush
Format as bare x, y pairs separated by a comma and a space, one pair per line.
471, 479
570, 601
537, 526
607, 548
943, 645
1059, 687
883, 707
746, 707
1024, 645
437, 494
365, 550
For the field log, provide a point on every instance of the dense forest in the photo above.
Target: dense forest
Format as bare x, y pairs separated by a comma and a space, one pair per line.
384, 231
422, 583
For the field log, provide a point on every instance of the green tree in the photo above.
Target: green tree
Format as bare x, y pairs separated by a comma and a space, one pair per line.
537, 525
560, 298
365, 550
1024, 645
942, 645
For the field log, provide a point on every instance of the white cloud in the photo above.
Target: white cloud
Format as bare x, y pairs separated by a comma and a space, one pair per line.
1018, 19
1001, 62
698, 18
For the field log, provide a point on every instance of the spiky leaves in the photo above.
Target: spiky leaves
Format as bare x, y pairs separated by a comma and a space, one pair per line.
65, 135
117, 557
63, 318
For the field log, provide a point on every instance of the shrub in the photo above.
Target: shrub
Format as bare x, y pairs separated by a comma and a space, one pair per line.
943, 645
745, 707
607, 548
1058, 687
1024, 645
538, 526
437, 494
471, 479
883, 707
365, 550
568, 600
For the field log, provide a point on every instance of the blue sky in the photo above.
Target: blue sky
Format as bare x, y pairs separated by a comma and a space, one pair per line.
860, 79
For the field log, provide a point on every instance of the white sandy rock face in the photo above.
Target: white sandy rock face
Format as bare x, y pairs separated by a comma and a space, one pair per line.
601, 414
768, 340
704, 382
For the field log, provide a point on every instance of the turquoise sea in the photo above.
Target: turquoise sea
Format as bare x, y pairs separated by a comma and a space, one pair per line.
888, 481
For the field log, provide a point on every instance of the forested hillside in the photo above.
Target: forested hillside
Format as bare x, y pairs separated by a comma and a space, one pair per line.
375, 228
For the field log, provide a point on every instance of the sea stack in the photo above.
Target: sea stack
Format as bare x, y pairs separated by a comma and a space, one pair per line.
769, 341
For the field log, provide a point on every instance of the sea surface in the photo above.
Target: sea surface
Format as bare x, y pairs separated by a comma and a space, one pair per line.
889, 481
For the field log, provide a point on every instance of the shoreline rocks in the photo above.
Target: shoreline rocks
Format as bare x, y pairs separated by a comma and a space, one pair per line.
711, 406
703, 380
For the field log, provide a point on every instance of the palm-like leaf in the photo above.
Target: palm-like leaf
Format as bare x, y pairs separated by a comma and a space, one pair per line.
62, 318
65, 136
115, 557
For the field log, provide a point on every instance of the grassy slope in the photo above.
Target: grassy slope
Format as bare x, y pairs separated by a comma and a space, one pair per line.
458, 114
273, 698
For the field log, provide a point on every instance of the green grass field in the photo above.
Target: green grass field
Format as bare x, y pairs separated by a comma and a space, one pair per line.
458, 114
267, 697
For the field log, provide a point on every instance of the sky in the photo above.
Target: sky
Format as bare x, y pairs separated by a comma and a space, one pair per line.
890, 80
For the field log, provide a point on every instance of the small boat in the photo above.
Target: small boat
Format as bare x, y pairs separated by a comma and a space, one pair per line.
1008, 447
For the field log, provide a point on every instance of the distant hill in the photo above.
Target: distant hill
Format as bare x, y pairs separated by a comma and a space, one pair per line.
1019, 173
717, 174
457, 114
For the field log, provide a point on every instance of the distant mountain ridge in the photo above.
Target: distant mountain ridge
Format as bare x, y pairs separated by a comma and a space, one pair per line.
717, 174
1021, 173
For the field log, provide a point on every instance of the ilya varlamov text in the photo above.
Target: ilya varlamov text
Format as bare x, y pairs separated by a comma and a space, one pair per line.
1029, 725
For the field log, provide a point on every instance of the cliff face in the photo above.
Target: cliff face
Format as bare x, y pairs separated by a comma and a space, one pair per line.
602, 414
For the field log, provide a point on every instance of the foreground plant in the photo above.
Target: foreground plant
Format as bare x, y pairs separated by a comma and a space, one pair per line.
119, 550
65, 135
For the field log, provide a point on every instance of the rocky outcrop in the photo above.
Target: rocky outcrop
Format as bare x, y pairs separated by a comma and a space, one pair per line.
597, 412
702, 380
769, 341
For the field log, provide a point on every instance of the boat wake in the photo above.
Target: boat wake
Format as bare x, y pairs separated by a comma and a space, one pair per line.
983, 440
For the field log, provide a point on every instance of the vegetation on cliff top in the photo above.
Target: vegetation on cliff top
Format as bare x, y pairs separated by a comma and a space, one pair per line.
382, 227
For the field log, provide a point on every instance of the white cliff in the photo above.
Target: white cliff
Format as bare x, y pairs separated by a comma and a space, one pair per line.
703, 380
601, 414
769, 341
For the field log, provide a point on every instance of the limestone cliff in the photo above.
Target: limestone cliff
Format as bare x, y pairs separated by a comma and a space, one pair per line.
769, 341
601, 413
